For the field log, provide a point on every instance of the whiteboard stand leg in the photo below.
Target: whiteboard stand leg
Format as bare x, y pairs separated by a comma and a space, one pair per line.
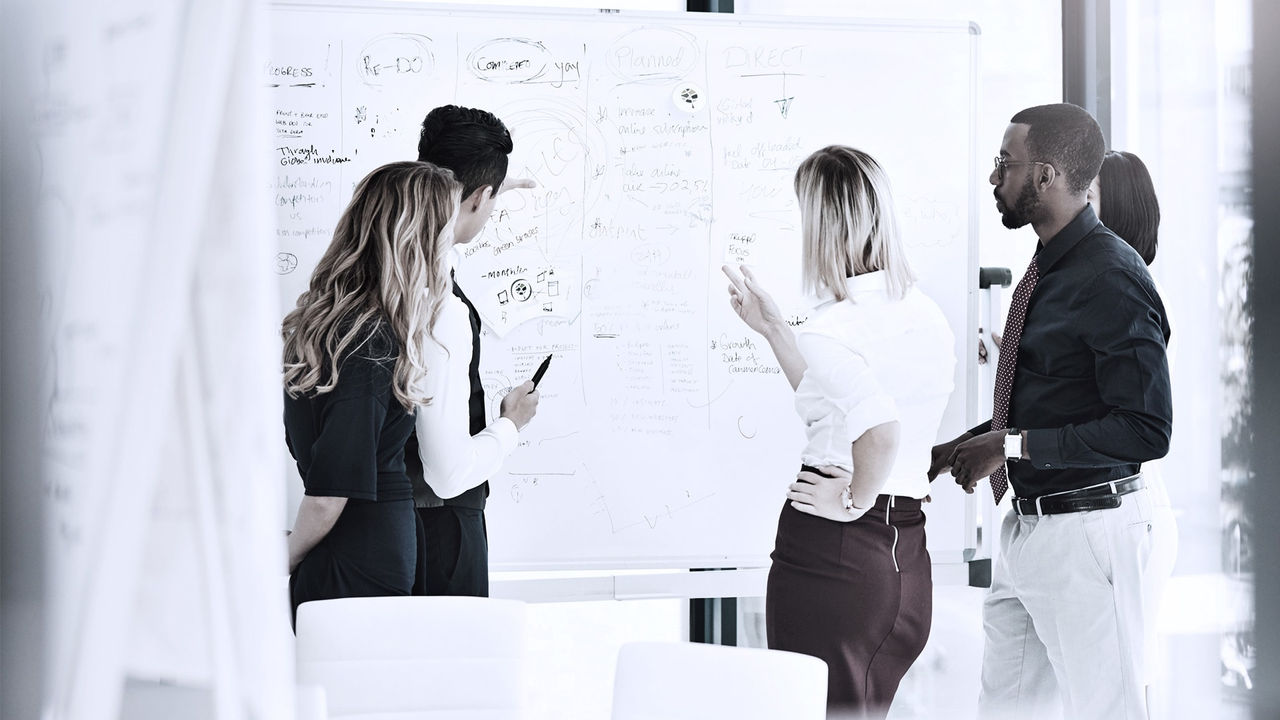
980, 516
713, 621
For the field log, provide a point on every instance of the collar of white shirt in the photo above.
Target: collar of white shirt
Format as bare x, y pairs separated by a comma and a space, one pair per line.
867, 284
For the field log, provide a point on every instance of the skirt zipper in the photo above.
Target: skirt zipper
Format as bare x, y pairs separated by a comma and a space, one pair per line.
893, 550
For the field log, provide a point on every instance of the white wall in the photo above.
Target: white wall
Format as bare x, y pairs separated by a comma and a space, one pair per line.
1186, 115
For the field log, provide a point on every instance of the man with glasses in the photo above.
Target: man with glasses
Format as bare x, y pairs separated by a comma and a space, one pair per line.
1082, 399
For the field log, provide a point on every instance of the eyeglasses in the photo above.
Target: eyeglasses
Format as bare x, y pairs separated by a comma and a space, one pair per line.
1002, 163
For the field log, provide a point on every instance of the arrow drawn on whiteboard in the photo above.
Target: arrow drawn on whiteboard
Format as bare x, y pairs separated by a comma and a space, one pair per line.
557, 437
649, 519
784, 105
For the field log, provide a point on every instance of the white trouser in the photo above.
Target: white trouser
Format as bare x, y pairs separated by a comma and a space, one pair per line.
1164, 554
1069, 620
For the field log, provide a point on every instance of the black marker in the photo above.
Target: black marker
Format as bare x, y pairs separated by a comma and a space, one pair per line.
537, 374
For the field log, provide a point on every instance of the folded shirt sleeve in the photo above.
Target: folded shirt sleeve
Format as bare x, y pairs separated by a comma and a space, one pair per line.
846, 379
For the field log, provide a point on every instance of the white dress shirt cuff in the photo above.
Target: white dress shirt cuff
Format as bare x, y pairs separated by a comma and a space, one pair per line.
505, 432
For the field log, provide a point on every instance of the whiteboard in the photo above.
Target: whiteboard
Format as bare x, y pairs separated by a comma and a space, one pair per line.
664, 146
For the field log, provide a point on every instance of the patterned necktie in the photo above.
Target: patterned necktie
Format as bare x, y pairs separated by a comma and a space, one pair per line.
1008, 363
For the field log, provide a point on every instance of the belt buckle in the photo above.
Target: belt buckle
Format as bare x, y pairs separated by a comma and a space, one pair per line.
1019, 506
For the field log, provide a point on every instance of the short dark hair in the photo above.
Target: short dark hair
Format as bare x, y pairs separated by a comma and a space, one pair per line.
473, 143
1067, 137
1128, 200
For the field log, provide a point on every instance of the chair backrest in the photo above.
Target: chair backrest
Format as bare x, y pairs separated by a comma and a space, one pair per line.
309, 703
415, 658
694, 681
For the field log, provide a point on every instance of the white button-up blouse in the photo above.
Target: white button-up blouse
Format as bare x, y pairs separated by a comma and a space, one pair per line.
871, 360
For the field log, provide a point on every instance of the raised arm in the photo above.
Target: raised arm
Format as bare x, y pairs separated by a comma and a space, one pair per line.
758, 310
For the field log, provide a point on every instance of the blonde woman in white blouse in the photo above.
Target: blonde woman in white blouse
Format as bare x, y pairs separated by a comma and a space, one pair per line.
851, 581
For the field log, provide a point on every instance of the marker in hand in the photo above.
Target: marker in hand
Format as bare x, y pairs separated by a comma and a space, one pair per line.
537, 374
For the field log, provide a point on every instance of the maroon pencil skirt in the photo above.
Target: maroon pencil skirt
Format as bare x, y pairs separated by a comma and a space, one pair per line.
858, 595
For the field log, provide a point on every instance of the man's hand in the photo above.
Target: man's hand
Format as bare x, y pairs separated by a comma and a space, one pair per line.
977, 458
982, 346
940, 458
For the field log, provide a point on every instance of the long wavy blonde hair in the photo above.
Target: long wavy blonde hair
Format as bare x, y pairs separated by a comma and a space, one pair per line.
848, 223
385, 264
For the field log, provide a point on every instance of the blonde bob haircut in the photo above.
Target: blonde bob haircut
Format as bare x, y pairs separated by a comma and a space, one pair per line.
848, 222
385, 265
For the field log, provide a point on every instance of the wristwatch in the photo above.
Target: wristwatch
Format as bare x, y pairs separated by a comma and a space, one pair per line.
846, 499
1013, 444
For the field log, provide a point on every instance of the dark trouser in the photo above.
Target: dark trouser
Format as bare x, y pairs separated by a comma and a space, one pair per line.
453, 552
858, 595
369, 552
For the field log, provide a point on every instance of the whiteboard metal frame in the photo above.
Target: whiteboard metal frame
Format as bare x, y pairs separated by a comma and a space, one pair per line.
742, 582
610, 15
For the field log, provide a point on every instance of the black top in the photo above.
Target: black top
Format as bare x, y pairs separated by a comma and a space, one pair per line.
1091, 386
349, 442
475, 497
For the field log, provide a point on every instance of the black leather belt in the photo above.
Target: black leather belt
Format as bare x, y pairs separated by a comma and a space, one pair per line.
1103, 496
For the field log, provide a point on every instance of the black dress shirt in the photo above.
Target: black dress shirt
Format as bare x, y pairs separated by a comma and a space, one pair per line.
1091, 386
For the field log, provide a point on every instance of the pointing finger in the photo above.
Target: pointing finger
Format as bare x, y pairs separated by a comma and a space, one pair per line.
734, 278
517, 183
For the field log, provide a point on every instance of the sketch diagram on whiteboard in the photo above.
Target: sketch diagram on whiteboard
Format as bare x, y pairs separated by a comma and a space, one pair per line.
526, 263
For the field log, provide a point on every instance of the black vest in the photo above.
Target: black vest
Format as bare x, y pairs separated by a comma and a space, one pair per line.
475, 497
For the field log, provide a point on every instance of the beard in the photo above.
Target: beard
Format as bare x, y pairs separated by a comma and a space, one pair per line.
1024, 209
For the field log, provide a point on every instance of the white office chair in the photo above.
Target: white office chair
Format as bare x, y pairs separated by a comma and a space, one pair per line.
414, 658
694, 681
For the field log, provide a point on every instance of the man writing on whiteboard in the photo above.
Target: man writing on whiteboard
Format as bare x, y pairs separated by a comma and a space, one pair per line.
450, 479
1082, 399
